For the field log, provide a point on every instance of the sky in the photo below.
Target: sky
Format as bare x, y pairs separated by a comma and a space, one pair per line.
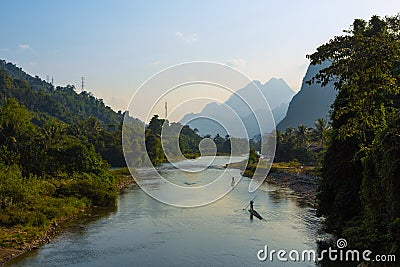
118, 45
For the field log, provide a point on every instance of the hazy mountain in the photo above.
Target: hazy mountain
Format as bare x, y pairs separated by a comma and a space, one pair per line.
276, 91
239, 112
310, 103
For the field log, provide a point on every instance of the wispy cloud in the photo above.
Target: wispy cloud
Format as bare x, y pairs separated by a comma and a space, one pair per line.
3, 49
23, 46
188, 38
237, 63
155, 63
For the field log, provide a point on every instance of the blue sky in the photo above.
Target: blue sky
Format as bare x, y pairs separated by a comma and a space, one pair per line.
117, 45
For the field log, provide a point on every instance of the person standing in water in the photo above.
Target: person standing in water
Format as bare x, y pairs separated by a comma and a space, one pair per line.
253, 212
251, 209
251, 205
233, 181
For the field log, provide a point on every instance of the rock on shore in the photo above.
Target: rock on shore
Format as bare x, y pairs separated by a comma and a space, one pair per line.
302, 185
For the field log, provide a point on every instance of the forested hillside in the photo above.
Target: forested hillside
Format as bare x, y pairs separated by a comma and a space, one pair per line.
85, 116
17, 73
63, 103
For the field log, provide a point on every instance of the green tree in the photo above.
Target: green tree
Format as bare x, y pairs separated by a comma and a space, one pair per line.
52, 132
219, 142
302, 136
320, 130
16, 132
226, 147
153, 140
15, 124
364, 70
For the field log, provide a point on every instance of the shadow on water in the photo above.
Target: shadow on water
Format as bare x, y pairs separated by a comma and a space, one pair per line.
75, 227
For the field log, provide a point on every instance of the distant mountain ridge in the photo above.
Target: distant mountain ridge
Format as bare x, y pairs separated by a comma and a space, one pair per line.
236, 114
276, 91
310, 103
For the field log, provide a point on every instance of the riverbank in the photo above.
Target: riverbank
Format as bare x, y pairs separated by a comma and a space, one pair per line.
301, 180
302, 186
42, 237
30, 238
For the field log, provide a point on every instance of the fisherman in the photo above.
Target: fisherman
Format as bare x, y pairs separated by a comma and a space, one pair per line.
251, 209
233, 181
253, 212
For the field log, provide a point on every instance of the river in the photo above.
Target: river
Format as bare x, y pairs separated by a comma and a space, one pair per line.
145, 232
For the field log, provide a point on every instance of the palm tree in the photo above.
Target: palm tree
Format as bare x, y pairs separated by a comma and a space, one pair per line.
320, 130
289, 135
302, 135
51, 131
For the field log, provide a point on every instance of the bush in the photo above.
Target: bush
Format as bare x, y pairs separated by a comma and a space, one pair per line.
100, 191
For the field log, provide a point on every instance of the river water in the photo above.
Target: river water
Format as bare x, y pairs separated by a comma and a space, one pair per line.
145, 232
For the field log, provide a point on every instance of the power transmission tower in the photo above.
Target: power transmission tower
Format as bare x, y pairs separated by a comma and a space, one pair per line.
83, 83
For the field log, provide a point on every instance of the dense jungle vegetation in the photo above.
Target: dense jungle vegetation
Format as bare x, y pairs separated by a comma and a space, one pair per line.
359, 194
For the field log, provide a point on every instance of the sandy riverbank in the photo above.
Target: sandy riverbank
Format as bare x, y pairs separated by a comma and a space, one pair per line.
302, 186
